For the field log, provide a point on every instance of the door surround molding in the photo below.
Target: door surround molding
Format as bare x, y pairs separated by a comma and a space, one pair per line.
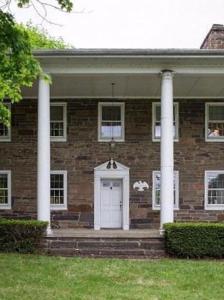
103, 172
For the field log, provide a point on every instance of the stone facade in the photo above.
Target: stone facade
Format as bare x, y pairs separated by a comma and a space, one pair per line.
214, 38
82, 152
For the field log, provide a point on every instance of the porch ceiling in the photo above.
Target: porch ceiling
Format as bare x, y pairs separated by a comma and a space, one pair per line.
131, 86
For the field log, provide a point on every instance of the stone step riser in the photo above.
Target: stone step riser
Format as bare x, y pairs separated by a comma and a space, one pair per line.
104, 247
138, 253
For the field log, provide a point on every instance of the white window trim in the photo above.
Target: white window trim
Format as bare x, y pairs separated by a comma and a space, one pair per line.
8, 137
122, 106
8, 205
211, 206
154, 104
64, 137
207, 104
63, 206
157, 207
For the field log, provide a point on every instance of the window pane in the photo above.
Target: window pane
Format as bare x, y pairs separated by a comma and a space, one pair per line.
3, 181
111, 113
111, 129
4, 131
57, 189
216, 181
215, 188
216, 112
157, 121
157, 189
56, 113
158, 113
57, 129
215, 129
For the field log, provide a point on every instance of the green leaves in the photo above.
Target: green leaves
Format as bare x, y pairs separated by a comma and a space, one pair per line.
18, 67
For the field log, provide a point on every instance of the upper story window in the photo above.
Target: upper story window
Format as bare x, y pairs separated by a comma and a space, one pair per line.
111, 121
156, 121
156, 190
214, 190
5, 131
5, 189
214, 122
58, 122
58, 190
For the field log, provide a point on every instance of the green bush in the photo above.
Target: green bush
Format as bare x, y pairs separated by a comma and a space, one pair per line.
195, 240
21, 236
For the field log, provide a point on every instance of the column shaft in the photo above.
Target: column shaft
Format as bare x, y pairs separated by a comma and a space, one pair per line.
166, 150
43, 152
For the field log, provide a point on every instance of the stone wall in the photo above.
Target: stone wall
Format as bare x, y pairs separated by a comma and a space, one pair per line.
82, 152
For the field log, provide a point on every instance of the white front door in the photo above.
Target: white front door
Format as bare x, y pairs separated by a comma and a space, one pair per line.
111, 203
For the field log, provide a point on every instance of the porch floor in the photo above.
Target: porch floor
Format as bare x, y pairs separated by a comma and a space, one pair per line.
105, 233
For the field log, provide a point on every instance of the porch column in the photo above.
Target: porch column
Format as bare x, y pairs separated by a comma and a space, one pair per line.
166, 150
43, 153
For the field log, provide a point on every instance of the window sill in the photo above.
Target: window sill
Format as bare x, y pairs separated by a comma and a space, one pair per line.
158, 208
215, 207
214, 140
58, 140
158, 140
5, 207
58, 208
109, 141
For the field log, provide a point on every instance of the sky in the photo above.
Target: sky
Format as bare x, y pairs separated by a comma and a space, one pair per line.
131, 23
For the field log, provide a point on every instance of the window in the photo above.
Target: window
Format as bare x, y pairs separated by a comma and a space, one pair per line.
156, 121
111, 121
214, 122
58, 190
214, 190
58, 123
5, 131
156, 190
5, 189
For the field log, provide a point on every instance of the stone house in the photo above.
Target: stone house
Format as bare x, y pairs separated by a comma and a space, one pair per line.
122, 138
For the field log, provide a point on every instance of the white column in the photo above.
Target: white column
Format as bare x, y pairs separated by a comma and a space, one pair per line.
166, 150
43, 153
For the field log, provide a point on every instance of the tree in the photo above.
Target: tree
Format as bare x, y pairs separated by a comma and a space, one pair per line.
18, 66
40, 39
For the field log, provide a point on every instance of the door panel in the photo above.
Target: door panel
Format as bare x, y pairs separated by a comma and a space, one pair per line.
111, 203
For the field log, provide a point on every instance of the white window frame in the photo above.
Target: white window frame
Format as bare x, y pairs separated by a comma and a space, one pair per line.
176, 105
157, 207
64, 137
206, 205
8, 137
63, 206
122, 106
209, 139
9, 183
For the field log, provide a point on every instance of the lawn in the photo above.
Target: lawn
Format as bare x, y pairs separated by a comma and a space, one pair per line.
41, 277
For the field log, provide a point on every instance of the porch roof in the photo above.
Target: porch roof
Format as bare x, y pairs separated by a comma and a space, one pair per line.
88, 73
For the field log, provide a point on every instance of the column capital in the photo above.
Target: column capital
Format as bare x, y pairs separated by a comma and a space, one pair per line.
167, 74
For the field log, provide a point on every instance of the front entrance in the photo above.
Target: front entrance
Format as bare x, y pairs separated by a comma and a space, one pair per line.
111, 202
111, 196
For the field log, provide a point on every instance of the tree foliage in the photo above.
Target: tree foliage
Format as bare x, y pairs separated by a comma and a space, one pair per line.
18, 67
40, 39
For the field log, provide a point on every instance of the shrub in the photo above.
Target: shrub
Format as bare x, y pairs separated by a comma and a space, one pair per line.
21, 236
195, 240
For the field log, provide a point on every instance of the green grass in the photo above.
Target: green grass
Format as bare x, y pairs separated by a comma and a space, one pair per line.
41, 277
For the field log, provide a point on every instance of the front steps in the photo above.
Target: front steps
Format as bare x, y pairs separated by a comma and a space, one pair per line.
127, 245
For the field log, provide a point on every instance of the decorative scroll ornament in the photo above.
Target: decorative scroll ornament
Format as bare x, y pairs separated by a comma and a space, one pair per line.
140, 186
